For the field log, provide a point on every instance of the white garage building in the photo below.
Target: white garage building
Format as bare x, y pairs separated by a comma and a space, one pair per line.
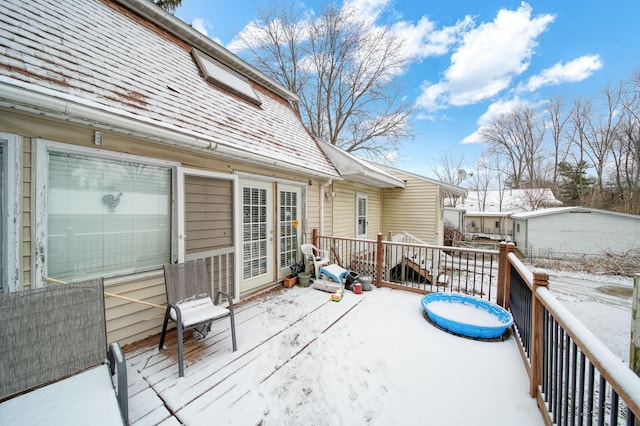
572, 231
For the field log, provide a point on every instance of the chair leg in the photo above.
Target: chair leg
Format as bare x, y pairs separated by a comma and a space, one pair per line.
180, 351
233, 332
164, 327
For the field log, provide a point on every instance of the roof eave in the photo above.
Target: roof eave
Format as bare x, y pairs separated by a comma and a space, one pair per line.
31, 99
353, 169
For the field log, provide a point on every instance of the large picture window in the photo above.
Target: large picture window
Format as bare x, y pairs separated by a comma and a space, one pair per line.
105, 217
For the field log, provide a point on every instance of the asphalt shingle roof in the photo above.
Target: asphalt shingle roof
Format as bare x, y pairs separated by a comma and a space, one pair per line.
101, 52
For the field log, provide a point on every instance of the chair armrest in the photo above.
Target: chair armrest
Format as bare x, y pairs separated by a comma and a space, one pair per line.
118, 365
226, 295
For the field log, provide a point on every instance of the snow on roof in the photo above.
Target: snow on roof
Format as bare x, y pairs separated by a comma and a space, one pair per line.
359, 170
100, 54
574, 209
454, 189
513, 200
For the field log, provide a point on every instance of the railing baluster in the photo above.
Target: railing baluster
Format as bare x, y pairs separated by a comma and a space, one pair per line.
602, 391
581, 390
574, 360
613, 415
590, 393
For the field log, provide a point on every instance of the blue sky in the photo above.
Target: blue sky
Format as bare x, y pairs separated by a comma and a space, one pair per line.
472, 60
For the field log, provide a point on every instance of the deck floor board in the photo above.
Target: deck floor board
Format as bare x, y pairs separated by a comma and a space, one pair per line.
278, 334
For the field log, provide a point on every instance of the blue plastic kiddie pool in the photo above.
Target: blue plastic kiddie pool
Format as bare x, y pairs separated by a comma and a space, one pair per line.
466, 315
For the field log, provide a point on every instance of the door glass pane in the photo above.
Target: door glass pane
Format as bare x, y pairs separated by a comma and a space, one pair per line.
106, 217
254, 237
361, 216
288, 220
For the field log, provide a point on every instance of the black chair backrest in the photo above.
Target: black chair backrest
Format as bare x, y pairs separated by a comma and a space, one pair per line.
187, 280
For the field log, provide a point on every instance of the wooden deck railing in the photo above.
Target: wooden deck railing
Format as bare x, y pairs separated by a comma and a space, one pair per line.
220, 264
416, 267
575, 378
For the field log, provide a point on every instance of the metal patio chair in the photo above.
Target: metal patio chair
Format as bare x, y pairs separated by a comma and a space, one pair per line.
189, 303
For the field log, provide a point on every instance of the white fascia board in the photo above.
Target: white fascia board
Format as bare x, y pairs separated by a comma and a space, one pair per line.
356, 169
26, 97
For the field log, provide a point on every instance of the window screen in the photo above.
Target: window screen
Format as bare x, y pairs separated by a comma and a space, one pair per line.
106, 217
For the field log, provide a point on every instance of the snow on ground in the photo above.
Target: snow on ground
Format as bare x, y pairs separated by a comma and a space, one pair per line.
367, 370
601, 302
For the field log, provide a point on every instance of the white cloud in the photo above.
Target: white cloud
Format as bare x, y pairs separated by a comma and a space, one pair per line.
488, 59
200, 25
367, 10
422, 39
495, 110
573, 71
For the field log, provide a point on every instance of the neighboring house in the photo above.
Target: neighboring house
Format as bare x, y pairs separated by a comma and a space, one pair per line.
373, 198
488, 213
129, 140
574, 231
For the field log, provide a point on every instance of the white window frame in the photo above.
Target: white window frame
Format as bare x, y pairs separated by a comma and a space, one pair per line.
12, 218
365, 197
41, 150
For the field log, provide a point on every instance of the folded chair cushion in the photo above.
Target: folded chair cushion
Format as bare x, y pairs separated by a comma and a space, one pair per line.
335, 272
84, 398
196, 311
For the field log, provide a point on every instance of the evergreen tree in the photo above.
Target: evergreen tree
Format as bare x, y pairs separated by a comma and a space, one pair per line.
168, 5
575, 182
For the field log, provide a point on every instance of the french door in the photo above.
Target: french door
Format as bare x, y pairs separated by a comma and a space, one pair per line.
289, 226
257, 234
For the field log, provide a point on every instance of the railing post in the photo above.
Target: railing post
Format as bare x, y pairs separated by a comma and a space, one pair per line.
511, 248
540, 279
634, 344
314, 237
379, 257
502, 267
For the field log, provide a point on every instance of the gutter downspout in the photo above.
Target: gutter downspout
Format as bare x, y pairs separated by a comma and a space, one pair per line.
322, 188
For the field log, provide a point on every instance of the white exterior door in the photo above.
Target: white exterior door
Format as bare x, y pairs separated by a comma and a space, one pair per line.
362, 221
257, 234
289, 226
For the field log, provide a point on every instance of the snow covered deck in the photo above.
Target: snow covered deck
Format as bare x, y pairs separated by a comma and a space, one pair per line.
303, 359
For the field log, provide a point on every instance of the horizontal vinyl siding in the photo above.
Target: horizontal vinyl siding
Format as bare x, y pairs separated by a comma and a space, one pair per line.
588, 233
128, 322
312, 209
209, 213
344, 204
414, 209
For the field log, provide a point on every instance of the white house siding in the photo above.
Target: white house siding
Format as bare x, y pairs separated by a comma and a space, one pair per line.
126, 322
416, 209
578, 232
344, 204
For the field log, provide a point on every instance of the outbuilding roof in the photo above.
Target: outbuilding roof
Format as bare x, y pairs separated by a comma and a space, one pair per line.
575, 209
131, 70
